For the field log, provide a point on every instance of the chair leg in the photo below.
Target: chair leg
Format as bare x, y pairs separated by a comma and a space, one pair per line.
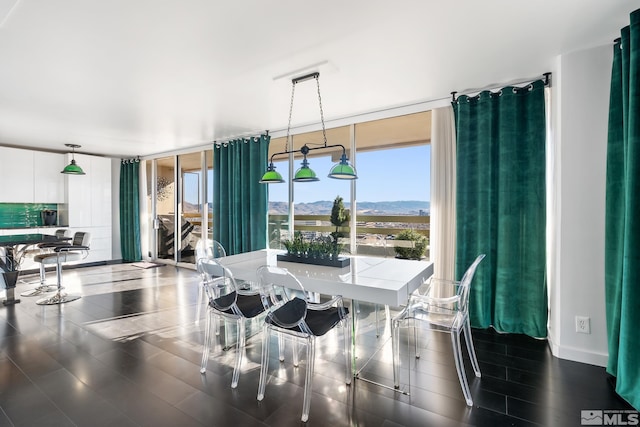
206, 344
280, 347
386, 318
59, 297
43, 273
296, 356
199, 302
240, 352
416, 338
265, 362
308, 382
457, 356
395, 351
347, 349
472, 351
42, 288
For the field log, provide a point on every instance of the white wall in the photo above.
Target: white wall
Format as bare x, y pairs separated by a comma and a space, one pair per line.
576, 282
116, 251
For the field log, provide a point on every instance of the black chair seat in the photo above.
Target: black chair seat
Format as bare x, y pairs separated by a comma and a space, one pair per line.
249, 305
319, 321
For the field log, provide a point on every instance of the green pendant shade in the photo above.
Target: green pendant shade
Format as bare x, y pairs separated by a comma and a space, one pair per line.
305, 173
343, 170
271, 176
72, 168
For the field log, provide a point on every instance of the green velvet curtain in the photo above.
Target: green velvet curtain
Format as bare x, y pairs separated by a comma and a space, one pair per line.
130, 211
622, 242
240, 202
501, 207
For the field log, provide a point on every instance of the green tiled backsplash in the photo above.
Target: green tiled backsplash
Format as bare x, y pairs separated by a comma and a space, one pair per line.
17, 215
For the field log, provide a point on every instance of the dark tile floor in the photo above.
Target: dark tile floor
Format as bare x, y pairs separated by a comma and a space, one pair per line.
128, 353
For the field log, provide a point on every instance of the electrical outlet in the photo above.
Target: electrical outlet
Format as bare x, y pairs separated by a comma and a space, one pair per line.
583, 325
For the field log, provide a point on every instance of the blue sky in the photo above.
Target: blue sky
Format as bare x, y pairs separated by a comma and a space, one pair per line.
383, 175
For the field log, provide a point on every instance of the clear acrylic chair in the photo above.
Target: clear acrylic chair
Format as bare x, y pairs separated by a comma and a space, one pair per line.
444, 307
228, 302
372, 245
294, 315
206, 249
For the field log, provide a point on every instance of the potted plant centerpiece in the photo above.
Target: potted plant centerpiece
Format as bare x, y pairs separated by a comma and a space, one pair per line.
324, 250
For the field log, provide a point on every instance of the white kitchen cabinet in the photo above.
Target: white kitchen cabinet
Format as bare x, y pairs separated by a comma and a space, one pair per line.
89, 204
17, 173
89, 196
100, 246
48, 181
101, 192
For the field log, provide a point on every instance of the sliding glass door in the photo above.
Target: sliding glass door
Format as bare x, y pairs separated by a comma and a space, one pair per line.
179, 189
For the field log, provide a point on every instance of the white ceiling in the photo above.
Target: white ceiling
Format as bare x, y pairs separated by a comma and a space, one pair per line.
138, 77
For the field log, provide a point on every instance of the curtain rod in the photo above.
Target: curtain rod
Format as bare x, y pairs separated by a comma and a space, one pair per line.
228, 140
546, 77
131, 160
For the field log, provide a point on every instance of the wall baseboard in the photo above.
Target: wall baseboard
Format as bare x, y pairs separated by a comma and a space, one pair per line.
578, 354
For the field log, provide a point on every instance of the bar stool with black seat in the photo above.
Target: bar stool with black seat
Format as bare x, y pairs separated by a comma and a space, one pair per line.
44, 249
77, 250
294, 315
231, 303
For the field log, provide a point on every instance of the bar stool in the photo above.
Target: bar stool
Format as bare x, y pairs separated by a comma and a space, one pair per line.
45, 249
77, 250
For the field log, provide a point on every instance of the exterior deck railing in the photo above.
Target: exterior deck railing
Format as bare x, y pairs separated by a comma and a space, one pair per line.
375, 234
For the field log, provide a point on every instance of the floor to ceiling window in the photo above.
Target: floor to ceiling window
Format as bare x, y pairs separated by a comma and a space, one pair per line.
391, 193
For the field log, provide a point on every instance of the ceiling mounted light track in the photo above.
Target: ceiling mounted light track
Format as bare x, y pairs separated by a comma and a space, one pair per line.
72, 168
341, 170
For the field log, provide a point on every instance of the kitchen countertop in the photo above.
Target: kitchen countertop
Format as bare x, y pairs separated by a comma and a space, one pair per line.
24, 227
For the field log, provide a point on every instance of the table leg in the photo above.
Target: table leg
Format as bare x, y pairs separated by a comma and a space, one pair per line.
10, 279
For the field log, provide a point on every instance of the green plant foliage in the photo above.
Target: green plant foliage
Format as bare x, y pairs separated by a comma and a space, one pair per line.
419, 245
321, 247
339, 215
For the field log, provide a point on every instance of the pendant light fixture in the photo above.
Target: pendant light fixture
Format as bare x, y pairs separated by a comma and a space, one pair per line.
72, 168
342, 170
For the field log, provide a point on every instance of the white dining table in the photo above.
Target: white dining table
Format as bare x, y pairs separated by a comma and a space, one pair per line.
386, 281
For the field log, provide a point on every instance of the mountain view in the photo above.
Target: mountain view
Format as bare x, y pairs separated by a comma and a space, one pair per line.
401, 207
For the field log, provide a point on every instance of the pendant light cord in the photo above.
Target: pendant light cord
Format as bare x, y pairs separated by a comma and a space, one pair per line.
293, 92
324, 132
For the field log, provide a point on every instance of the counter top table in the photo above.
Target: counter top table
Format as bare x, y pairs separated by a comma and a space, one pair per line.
15, 247
386, 281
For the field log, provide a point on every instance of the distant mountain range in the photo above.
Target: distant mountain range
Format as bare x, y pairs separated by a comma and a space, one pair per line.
323, 207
